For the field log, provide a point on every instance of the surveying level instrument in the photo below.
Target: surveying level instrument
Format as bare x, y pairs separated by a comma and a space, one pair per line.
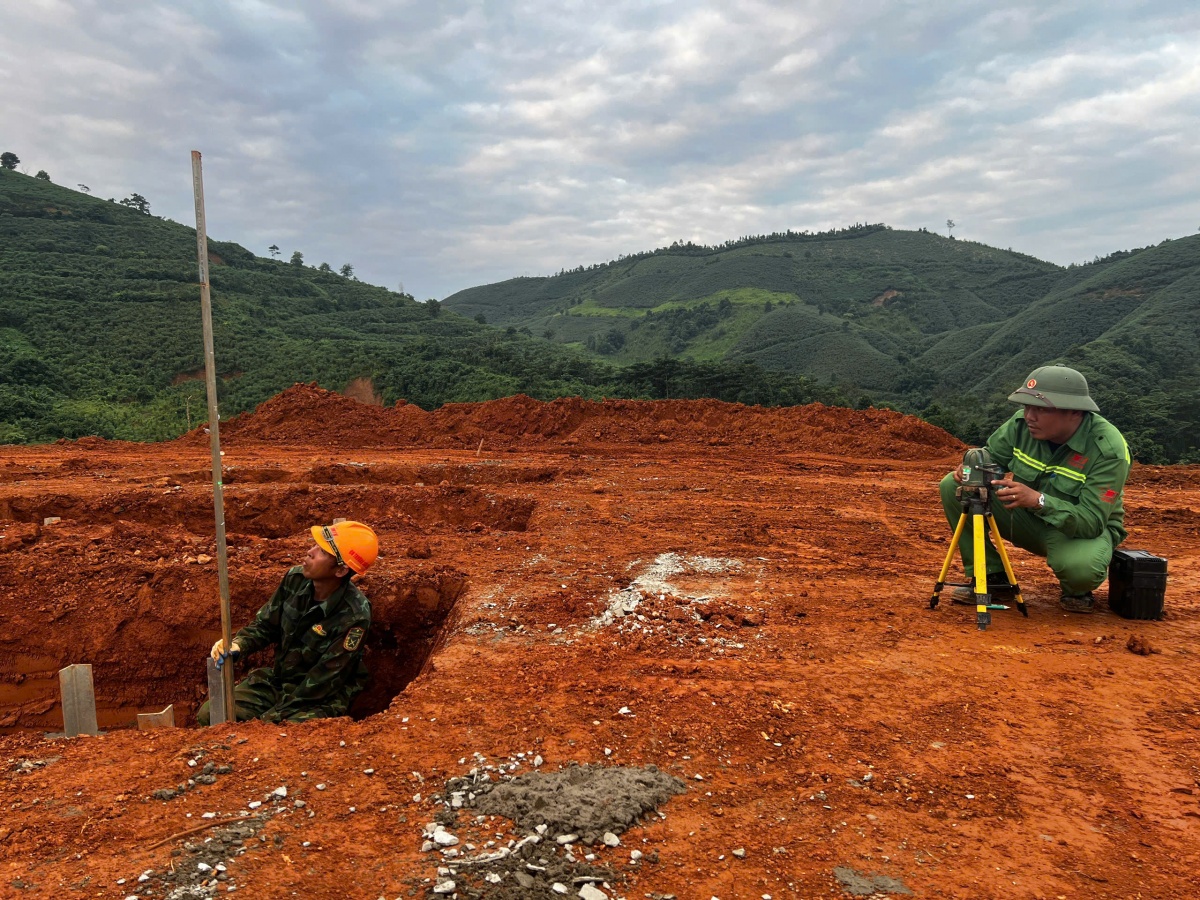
975, 495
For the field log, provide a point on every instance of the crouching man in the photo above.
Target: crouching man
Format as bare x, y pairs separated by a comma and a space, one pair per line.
1063, 496
316, 620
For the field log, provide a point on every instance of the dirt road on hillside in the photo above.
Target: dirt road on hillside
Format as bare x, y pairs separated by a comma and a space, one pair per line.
736, 597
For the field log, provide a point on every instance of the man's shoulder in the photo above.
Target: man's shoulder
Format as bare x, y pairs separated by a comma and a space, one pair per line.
1108, 439
292, 583
294, 576
356, 605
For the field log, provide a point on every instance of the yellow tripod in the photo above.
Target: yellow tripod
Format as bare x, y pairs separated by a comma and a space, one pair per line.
976, 503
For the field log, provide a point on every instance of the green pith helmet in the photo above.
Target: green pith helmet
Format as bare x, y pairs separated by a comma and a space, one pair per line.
1055, 387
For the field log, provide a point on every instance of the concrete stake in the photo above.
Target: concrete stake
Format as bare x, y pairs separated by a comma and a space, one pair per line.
78, 700
164, 719
216, 692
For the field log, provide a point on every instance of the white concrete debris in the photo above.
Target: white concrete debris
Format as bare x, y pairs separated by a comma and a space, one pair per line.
740, 852
445, 887
558, 887
635, 855
537, 760
530, 839
279, 792
653, 580
492, 878
443, 838
611, 840
203, 867
254, 804
567, 838
591, 892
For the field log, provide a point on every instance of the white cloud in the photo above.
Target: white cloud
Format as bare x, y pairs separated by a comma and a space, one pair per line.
449, 144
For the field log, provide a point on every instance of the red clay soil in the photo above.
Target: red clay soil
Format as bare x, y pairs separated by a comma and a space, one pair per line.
779, 656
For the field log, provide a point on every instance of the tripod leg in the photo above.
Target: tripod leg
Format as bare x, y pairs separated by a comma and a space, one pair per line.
983, 618
941, 582
1008, 569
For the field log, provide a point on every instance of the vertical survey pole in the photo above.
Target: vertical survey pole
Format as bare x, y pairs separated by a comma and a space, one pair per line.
214, 432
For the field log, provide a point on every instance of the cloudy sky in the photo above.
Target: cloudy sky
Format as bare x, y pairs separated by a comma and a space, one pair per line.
440, 145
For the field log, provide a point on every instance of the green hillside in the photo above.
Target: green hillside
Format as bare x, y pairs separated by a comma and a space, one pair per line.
940, 327
100, 327
100, 332
713, 302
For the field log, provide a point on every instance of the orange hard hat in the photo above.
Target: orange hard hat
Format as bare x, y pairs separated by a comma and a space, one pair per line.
353, 544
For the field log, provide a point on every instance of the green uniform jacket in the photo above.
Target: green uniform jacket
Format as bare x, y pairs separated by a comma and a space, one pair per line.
1083, 480
318, 646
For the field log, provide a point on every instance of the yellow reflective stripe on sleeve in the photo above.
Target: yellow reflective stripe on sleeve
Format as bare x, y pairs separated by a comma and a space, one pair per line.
1028, 460
1067, 473
1073, 474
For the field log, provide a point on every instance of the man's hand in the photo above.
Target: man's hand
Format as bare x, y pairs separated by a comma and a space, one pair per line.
1014, 495
218, 652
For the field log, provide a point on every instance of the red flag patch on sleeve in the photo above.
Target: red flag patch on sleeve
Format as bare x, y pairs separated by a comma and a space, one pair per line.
1109, 496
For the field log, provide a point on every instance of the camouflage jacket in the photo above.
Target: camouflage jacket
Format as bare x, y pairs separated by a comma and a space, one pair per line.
318, 646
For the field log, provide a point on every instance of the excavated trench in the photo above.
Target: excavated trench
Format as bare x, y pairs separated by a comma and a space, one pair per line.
145, 557
279, 510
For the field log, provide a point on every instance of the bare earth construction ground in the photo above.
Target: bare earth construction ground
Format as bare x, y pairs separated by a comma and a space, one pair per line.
735, 596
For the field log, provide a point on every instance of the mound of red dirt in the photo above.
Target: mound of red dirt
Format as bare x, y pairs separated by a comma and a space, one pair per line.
306, 413
737, 597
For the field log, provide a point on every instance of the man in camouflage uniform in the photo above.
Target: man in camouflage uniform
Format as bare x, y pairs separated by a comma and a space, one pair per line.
316, 620
1062, 496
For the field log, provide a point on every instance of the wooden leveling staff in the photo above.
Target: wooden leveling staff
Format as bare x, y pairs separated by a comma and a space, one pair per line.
214, 433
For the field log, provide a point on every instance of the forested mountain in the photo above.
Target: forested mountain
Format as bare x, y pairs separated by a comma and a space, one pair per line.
100, 332
940, 327
100, 327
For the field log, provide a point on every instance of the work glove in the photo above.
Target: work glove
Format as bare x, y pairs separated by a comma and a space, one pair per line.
219, 653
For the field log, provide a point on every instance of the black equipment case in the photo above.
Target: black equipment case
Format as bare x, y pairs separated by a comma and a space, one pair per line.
1137, 581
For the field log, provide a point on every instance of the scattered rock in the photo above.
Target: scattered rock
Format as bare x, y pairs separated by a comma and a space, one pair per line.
582, 800
1140, 645
859, 885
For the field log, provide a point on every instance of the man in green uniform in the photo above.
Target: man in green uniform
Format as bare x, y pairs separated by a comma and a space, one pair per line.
316, 620
1062, 496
